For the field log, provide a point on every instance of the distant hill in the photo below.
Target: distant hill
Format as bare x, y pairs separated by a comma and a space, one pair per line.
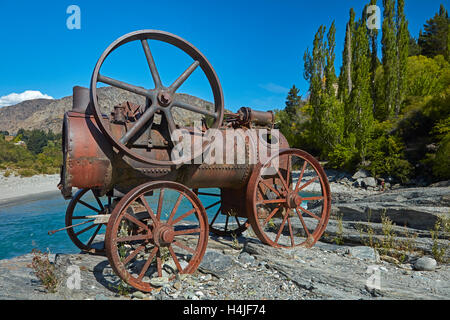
48, 114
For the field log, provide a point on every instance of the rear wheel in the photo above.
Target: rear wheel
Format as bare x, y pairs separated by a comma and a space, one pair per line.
289, 200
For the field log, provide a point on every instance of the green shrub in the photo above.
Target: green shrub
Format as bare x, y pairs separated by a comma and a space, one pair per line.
385, 154
27, 172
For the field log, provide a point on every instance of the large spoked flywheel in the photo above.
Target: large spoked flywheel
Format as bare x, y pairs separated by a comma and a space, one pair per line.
162, 98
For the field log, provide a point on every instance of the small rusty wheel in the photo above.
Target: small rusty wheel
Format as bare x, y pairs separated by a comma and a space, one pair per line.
158, 229
289, 200
221, 224
81, 213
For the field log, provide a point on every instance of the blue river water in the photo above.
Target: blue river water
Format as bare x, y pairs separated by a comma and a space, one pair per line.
24, 225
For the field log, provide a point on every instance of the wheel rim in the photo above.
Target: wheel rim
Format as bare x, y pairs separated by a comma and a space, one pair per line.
77, 213
161, 96
290, 206
147, 238
224, 225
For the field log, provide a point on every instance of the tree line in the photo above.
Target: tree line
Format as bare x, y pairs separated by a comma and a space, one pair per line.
40, 154
389, 115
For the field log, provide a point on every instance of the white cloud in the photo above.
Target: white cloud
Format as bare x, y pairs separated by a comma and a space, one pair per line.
274, 88
15, 98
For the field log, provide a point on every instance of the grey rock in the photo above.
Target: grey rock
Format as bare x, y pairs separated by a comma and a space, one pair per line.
369, 182
159, 281
364, 253
425, 264
139, 295
245, 257
216, 263
361, 174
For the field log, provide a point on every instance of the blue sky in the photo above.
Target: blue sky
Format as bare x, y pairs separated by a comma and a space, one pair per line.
255, 47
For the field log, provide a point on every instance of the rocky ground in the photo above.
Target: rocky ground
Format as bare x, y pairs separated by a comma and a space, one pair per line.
400, 222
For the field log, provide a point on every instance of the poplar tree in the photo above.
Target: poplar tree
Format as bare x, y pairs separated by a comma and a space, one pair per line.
374, 62
402, 54
360, 107
389, 49
345, 78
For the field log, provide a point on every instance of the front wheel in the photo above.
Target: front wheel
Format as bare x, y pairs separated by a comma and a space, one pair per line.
158, 229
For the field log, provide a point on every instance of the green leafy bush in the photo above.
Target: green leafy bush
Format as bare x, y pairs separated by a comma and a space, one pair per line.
385, 154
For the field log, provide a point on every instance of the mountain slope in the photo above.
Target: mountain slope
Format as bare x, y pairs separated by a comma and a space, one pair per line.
48, 114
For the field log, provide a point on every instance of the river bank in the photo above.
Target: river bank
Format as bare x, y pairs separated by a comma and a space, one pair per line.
16, 189
359, 246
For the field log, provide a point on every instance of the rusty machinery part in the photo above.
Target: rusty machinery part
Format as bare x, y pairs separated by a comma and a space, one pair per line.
86, 216
86, 155
158, 226
225, 210
161, 99
283, 211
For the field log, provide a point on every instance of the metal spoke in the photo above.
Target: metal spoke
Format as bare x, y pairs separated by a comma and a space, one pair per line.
183, 216
85, 229
134, 238
181, 79
217, 214
134, 254
160, 201
301, 176
93, 236
309, 212
136, 221
313, 198
271, 215
195, 109
187, 231
148, 114
271, 201
290, 232
151, 64
308, 183
88, 205
270, 187
212, 205
149, 210
98, 201
159, 263
303, 223
147, 263
170, 122
125, 86
282, 226
175, 208
183, 246
175, 259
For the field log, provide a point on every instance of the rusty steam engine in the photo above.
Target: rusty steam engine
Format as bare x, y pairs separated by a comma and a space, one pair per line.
151, 213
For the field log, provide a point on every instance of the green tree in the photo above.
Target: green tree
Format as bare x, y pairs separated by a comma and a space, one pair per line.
293, 101
402, 55
389, 50
345, 77
434, 39
374, 61
413, 47
360, 109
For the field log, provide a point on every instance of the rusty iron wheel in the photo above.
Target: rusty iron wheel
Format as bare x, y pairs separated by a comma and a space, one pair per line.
85, 231
160, 99
289, 200
233, 225
158, 229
